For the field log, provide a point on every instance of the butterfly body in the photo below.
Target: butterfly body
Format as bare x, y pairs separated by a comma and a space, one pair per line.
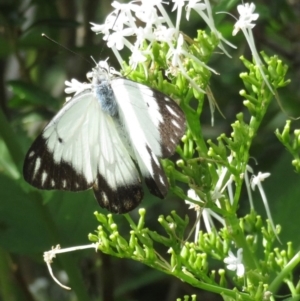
100, 135
105, 95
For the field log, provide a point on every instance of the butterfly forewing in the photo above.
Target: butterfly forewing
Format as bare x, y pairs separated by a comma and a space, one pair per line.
154, 123
55, 161
81, 148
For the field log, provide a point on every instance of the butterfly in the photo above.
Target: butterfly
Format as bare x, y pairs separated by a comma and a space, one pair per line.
105, 137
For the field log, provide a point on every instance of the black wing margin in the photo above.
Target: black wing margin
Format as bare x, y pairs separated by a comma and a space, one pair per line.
42, 172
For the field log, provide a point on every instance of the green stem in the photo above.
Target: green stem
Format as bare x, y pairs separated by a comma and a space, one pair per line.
130, 221
237, 194
239, 238
195, 128
288, 269
211, 288
291, 286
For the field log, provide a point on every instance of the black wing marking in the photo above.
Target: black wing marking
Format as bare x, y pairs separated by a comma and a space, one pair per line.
173, 124
42, 172
120, 200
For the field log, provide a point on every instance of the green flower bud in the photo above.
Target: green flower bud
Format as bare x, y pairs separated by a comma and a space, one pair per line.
286, 132
114, 227
93, 237
122, 243
185, 252
290, 250
141, 223
150, 254
250, 107
250, 80
247, 63
101, 218
222, 281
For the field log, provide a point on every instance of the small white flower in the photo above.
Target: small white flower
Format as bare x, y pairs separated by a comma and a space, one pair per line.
178, 4
220, 187
113, 22
192, 194
247, 182
235, 263
74, 86
246, 17
164, 34
149, 17
148, 7
103, 28
206, 213
123, 14
245, 24
193, 4
256, 181
205, 12
136, 57
175, 53
117, 38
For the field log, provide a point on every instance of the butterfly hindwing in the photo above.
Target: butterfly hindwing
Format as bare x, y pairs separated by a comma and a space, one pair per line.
81, 148
122, 199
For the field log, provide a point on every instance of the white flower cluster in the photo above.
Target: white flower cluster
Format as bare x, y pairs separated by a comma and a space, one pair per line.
132, 24
137, 25
245, 24
147, 21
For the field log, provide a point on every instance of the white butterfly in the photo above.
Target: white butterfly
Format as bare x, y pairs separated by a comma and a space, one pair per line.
100, 135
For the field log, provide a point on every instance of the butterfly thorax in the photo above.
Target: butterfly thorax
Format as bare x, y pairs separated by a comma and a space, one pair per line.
103, 92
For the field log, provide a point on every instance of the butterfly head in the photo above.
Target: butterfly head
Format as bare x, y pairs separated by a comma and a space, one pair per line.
102, 73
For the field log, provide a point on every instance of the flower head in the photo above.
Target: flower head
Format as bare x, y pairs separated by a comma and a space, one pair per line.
149, 24
206, 213
246, 17
193, 4
256, 181
245, 24
235, 263
205, 12
74, 86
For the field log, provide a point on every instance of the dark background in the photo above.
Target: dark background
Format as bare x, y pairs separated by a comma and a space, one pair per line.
32, 75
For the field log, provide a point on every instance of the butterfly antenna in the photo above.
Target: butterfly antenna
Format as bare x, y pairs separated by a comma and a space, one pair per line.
117, 16
64, 47
94, 60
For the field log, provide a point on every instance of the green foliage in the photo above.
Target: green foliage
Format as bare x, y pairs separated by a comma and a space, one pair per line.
292, 144
189, 261
32, 221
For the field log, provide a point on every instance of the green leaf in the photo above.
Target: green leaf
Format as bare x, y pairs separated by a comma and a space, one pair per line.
283, 190
6, 48
28, 225
28, 94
